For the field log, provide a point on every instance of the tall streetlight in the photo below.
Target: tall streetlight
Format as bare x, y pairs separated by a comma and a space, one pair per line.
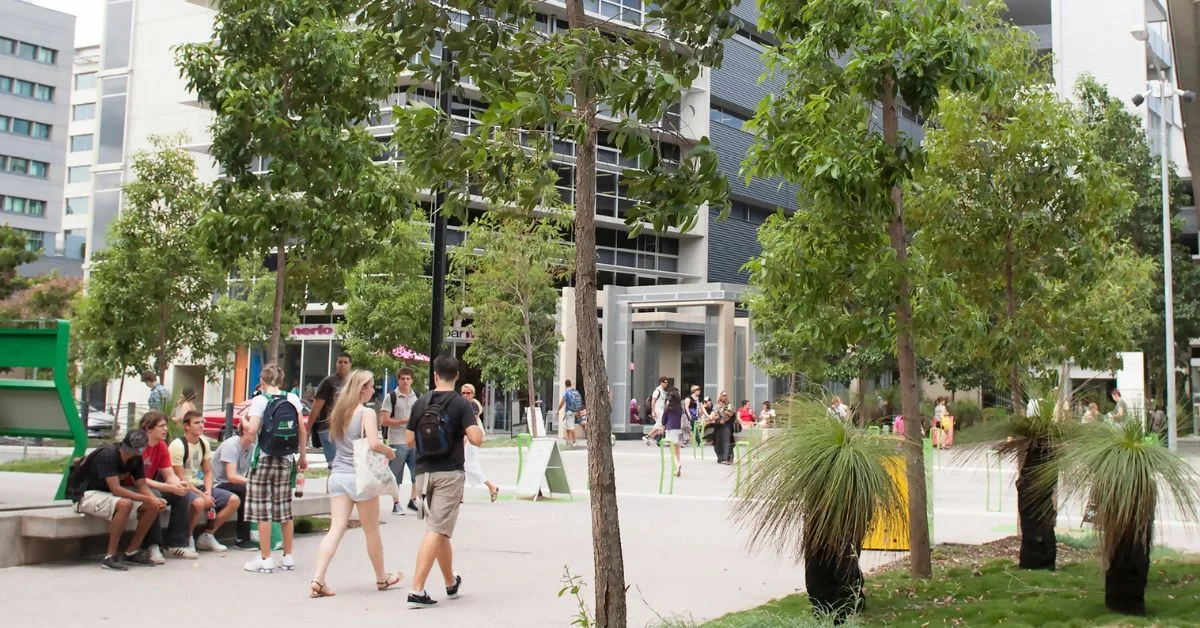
1165, 91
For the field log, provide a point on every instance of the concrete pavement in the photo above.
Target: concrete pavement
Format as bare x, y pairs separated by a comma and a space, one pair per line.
683, 556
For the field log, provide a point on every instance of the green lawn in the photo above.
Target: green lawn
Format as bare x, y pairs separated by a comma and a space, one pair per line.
982, 590
499, 441
35, 465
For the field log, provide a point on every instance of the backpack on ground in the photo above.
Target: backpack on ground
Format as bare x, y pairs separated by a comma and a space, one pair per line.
77, 478
574, 400
279, 434
432, 435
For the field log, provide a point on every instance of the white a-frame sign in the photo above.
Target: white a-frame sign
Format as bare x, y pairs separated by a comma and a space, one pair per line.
544, 468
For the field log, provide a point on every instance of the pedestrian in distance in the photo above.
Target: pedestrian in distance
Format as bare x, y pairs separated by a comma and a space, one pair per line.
673, 424
440, 421
474, 469
318, 419
394, 412
352, 420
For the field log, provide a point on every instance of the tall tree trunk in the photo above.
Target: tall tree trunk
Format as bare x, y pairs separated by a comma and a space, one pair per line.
1128, 568
861, 414
1036, 510
918, 524
277, 311
610, 605
1010, 307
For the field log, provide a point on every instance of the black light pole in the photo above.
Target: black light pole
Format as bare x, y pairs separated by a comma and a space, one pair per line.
437, 334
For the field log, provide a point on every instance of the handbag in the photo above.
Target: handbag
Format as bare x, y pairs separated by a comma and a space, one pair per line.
737, 426
372, 476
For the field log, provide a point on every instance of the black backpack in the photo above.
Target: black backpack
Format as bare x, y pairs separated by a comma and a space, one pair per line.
433, 436
77, 478
279, 434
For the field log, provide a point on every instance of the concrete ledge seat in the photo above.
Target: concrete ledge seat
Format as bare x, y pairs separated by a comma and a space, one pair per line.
64, 523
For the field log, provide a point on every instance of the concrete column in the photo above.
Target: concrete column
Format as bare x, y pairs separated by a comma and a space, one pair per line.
670, 360
617, 354
759, 381
711, 380
566, 363
719, 350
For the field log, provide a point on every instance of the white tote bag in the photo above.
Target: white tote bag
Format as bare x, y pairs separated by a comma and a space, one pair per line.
372, 476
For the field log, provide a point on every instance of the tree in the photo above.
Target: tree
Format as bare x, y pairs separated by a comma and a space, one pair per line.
291, 85
822, 485
1118, 136
387, 297
511, 268
51, 296
544, 83
150, 293
1018, 211
838, 60
1127, 479
244, 312
13, 253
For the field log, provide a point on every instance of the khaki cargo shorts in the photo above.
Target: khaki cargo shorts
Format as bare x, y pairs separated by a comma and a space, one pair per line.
441, 494
102, 504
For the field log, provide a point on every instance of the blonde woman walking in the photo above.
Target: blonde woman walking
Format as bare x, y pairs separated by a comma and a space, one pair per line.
475, 475
349, 421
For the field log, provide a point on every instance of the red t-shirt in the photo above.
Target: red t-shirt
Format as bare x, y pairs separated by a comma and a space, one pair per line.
746, 415
156, 457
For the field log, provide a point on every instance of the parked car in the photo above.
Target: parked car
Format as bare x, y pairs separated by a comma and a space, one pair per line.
214, 420
98, 421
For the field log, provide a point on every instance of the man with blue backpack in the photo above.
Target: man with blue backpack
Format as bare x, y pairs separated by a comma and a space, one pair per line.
437, 425
276, 433
568, 408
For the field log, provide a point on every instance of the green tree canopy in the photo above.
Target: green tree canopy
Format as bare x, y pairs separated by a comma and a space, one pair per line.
291, 85
1019, 212
1118, 136
13, 253
150, 292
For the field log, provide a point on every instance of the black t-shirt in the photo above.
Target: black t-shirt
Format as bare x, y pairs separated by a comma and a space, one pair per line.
327, 391
461, 416
107, 463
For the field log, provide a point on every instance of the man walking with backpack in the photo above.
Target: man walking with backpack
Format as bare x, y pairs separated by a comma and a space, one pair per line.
277, 434
440, 419
394, 413
568, 407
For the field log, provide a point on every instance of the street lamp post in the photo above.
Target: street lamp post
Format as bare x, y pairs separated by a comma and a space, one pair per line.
437, 334
1165, 92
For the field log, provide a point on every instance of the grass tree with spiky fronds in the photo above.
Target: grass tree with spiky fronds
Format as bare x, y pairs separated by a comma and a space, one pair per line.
1127, 480
822, 485
1034, 442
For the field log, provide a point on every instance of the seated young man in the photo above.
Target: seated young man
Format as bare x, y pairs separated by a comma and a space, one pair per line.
161, 478
230, 472
192, 461
98, 492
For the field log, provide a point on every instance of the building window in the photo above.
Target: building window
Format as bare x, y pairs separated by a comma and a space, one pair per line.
76, 206
28, 51
81, 143
85, 111
625, 10
727, 116
27, 89
85, 80
25, 207
34, 240
21, 165
28, 128
79, 174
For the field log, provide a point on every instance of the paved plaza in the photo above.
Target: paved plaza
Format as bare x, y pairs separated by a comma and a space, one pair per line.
683, 556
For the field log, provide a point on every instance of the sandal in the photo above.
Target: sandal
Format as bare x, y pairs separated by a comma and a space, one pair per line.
320, 590
495, 493
393, 579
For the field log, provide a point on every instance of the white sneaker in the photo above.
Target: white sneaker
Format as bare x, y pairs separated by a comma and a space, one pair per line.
288, 563
208, 543
261, 565
156, 555
182, 552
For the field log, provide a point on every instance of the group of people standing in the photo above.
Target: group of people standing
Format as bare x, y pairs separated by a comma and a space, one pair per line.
253, 475
674, 417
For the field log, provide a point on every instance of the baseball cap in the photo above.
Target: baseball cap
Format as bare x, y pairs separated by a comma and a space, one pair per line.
135, 441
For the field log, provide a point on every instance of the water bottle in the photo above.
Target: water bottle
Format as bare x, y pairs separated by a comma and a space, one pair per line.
300, 484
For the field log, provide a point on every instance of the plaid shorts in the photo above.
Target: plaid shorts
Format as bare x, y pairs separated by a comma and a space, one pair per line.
269, 490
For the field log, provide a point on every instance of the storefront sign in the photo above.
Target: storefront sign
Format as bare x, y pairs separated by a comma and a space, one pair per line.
313, 331
460, 334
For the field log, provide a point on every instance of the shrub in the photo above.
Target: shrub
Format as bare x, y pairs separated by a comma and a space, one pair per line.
965, 413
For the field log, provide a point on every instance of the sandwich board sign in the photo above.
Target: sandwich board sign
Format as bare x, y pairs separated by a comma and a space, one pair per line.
544, 468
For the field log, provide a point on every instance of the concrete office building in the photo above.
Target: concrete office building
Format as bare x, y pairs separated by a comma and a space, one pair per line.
81, 151
35, 88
